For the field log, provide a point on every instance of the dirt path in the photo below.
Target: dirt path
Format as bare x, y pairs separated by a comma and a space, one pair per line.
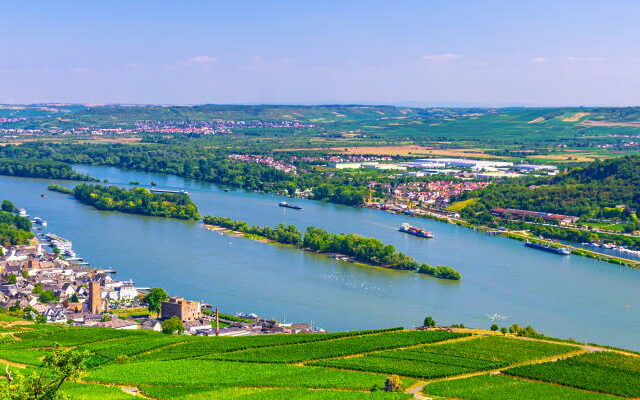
12, 363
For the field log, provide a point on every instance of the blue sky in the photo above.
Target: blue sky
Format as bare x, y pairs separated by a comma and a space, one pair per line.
429, 52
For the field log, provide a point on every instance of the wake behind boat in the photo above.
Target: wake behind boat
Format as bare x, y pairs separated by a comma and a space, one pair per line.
287, 205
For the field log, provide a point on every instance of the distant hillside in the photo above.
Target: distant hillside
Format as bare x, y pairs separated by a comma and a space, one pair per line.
591, 191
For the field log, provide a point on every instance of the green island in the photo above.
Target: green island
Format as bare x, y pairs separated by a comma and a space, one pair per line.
90, 363
134, 201
352, 247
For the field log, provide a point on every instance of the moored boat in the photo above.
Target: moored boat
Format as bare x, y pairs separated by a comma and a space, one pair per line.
557, 250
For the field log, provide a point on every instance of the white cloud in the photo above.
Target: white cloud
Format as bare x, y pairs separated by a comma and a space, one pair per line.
80, 70
539, 60
583, 59
199, 60
441, 57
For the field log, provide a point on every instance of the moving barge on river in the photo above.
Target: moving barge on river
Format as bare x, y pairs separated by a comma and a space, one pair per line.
287, 205
412, 230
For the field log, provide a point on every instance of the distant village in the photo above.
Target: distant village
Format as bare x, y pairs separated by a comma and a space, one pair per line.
49, 288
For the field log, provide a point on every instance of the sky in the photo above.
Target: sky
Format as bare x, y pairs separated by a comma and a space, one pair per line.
399, 52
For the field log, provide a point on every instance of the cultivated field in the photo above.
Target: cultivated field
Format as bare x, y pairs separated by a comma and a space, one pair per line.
464, 364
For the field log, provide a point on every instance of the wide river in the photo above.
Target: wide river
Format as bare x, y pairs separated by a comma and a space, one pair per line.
560, 296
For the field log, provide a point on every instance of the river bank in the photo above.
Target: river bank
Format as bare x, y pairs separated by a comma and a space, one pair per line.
517, 236
558, 295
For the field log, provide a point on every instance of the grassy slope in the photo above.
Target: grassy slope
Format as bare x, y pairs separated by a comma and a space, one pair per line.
195, 378
498, 387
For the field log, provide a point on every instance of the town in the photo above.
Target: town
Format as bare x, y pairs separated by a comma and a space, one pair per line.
57, 287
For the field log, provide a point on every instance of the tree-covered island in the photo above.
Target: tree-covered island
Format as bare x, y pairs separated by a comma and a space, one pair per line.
359, 249
134, 201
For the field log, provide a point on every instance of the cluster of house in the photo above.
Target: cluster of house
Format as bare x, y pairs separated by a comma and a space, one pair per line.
340, 159
28, 272
438, 193
89, 297
265, 160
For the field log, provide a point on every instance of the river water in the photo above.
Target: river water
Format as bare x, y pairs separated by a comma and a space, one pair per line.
560, 296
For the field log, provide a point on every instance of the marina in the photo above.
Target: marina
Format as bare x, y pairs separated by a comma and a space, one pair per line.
556, 295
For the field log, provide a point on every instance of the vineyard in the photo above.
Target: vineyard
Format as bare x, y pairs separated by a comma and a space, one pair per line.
600, 372
473, 365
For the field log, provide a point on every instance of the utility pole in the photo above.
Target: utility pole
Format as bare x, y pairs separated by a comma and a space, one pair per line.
217, 322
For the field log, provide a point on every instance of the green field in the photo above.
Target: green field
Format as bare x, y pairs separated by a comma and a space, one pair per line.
350, 365
498, 387
336, 348
604, 372
451, 358
191, 393
203, 347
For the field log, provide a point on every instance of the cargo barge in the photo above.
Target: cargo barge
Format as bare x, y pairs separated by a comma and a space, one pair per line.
563, 251
287, 205
412, 230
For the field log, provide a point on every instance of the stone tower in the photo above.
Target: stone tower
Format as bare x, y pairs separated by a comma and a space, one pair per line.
95, 299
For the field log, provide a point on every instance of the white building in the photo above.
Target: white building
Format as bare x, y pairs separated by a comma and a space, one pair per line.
466, 163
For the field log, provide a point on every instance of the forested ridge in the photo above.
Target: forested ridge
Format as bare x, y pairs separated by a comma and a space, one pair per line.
593, 191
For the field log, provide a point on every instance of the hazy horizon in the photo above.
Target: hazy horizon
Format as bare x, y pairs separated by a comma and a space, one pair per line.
426, 53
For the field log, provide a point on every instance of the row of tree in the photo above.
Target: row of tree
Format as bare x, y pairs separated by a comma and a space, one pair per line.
366, 250
40, 169
188, 161
287, 234
137, 201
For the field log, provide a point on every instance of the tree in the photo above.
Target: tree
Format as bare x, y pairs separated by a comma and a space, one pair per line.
392, 384
155, 298
12, 279
59, 366
47, 297
74, 298
7, 206
172, 325
429, 322
503, 330
494, 327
